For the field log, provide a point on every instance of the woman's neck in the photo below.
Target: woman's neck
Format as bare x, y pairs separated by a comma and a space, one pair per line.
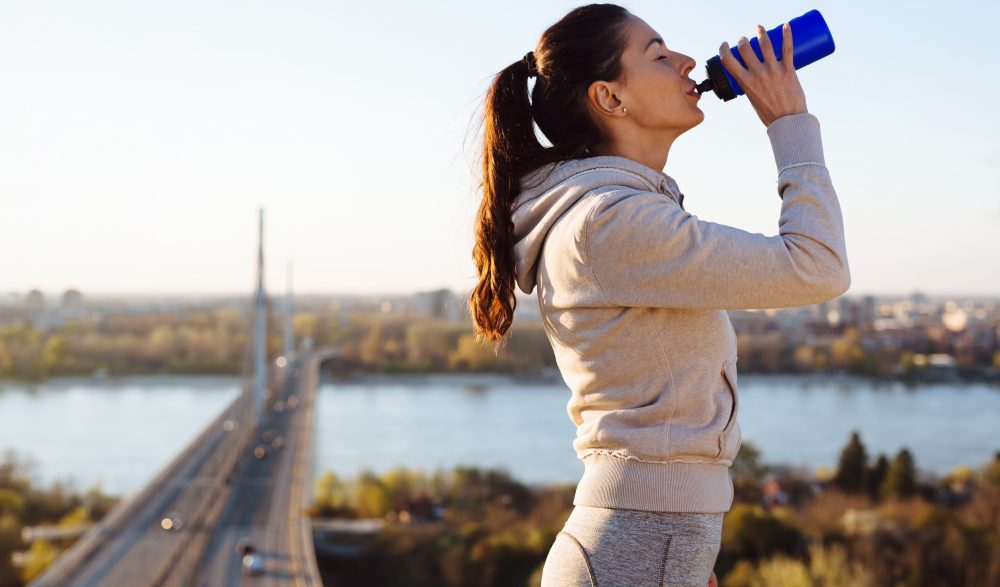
651, 152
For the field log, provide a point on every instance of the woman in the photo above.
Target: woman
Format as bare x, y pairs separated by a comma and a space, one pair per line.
633, 290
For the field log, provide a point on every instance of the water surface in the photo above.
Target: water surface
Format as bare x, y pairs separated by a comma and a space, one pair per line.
121, 432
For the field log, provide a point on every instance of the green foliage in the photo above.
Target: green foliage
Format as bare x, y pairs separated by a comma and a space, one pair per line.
750, 532
495, 531
97, 504
783, 571
430, 343
742, 575
10, 540
851, 469
901, 479
75, 517
11, 503
372, 496
22, 504
748, 464
40, 555
330, 497
185, 341
991, 472
200, 341
876, 476
825, 567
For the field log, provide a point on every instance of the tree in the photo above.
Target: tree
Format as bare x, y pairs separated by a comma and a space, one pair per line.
851, 470
804, 357
10, 540
11, 503
748, 464
901, 480
331, 497
430, 342
372, 348
749, 532
992, 470
5, 361
471, 355
876, 476
371, 496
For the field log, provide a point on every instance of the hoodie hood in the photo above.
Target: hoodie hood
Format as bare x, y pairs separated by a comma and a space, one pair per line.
546, 194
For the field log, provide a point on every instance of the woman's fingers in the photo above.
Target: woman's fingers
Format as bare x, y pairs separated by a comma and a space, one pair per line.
766, 49
772, 88
787, 51
746, 52
731, 64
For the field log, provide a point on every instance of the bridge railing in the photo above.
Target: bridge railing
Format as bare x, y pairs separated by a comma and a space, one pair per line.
303, 550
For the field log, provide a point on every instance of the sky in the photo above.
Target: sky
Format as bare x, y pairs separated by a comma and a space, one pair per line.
139, 139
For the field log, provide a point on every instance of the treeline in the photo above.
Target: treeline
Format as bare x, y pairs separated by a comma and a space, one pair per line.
467, 527
196, 342
871, 523
850, 352
213, 341
24, 504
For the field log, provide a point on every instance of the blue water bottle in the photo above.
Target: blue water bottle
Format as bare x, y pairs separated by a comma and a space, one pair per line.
811, 39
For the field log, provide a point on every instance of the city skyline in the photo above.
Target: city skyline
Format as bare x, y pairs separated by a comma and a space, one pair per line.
277, 292
141, 140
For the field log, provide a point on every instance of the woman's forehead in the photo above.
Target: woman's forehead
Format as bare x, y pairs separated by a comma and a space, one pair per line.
641, 35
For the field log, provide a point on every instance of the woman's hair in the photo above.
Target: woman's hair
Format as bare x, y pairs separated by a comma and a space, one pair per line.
585, 46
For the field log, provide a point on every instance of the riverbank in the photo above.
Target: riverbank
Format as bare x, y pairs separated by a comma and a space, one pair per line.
545, 375
476, 526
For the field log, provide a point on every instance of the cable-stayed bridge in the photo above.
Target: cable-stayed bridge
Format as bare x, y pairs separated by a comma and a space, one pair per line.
245, 478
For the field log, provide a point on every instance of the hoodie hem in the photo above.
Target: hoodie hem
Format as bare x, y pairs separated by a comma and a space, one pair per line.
615, 482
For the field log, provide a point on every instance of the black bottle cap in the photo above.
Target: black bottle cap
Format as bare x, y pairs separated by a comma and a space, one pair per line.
719, 81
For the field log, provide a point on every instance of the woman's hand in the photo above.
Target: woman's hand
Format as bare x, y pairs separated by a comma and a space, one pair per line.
772, 86
713, 581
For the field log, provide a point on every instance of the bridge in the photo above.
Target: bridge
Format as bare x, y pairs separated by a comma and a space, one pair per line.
246, 478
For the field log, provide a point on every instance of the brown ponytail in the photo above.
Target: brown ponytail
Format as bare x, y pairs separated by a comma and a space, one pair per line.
583, 47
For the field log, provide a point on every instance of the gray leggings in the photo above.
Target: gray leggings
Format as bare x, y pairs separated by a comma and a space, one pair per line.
605, 547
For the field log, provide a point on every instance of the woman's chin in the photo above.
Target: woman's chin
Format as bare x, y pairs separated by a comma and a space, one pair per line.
699, 118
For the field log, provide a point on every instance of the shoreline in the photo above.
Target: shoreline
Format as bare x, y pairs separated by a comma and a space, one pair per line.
473, 380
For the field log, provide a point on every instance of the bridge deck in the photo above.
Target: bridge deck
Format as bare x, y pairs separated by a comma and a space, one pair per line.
221, 492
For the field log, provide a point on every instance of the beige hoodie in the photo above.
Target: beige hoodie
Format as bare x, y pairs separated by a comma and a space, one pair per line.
633, 292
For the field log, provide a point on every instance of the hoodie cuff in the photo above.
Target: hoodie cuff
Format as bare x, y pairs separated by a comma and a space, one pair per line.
795, 140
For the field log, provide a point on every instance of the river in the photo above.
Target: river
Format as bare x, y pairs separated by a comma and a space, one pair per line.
119, 432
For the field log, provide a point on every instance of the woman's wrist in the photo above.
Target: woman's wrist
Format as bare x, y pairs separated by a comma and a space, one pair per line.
796, 139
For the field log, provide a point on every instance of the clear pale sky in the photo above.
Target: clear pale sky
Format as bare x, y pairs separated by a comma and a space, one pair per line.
137, 140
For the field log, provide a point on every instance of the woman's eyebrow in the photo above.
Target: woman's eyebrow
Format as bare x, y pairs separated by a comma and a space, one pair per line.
653, 41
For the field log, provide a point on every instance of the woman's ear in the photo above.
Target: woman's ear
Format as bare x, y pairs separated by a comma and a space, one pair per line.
603, 98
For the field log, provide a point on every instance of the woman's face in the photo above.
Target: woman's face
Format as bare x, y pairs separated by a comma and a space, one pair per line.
656, 88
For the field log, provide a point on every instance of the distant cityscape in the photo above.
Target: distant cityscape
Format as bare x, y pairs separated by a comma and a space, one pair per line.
943, 337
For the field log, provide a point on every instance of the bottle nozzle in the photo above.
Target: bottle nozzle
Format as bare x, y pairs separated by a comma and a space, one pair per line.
704, 86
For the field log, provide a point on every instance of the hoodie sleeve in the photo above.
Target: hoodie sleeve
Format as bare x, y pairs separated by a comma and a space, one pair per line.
644, 250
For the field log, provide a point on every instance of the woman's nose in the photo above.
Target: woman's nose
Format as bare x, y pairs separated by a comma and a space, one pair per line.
689, 64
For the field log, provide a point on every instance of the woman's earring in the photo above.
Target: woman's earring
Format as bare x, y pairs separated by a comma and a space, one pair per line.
624, 110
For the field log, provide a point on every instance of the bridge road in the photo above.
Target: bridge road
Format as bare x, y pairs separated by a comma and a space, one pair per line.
268, 498
130, 542
218, 490
221, 493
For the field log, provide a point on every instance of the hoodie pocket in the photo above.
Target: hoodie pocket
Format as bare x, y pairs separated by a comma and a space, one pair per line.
729, 376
